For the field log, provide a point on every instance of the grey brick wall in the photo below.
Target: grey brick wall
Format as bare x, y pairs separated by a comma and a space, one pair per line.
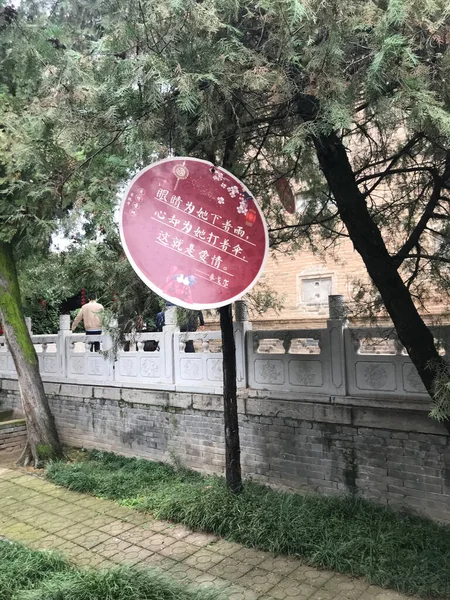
12, 436
394, 455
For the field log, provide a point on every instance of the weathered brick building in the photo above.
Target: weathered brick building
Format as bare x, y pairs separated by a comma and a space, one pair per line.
306, 279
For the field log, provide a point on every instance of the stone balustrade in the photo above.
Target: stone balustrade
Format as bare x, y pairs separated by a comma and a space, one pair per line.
334, 361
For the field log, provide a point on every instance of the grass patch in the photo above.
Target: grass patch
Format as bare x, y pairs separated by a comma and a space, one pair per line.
396, 550
33, 575
23, 569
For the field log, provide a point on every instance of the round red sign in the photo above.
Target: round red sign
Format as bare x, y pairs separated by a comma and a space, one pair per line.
193, 233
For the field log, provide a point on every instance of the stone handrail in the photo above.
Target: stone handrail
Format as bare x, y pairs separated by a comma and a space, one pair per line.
333, 361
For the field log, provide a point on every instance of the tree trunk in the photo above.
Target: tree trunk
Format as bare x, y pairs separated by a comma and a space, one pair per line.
230, 414
368, 241
43, 442
232, 445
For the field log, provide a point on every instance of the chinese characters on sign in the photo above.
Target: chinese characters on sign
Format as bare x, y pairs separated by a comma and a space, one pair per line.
193, 233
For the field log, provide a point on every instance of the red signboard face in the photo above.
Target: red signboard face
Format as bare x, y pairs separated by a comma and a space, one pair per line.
193, 233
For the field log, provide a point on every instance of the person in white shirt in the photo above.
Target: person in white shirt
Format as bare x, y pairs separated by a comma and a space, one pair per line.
90, 314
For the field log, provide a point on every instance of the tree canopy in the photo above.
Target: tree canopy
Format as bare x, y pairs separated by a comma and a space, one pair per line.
349, 102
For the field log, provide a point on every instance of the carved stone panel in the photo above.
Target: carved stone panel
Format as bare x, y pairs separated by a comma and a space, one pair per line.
412, 381
191, 369
269, 372
214, 369
307, 373
95, 366
150, 367
375, 376
50, 365
128, 367
77, 364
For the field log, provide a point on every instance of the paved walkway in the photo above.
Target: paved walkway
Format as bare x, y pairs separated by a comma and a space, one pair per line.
100, 533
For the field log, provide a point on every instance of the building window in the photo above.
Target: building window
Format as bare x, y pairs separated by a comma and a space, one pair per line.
315, 290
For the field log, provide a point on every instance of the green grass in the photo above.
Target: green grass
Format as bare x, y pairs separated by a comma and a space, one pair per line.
396, 550
32, 575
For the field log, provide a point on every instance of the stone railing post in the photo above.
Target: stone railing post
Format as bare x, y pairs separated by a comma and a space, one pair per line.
29, 325
63, 333
107, 340
240, 327
107, 345
337, 308
169, 329
336, 325
171, 325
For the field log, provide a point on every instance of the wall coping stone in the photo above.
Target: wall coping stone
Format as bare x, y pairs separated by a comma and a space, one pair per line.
52, 388
76, 391
12, 423
10, 384
396, 414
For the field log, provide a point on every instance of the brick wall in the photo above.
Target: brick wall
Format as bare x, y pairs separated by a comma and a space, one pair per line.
393, 454
342, 265
13, 435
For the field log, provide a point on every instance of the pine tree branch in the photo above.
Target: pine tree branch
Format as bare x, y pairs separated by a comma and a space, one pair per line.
314, 221
228, 153
427, 214
416, 270
440, 216
262, 142
367, 135
436, 232
431, 257
388, 172
144, 23
91, 157
394, 157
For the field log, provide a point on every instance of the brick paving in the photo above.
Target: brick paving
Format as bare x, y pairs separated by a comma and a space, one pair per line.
100, 533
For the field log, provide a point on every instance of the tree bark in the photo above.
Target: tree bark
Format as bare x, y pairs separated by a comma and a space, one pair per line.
43, 441
232, 444
230, 415
368, 241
